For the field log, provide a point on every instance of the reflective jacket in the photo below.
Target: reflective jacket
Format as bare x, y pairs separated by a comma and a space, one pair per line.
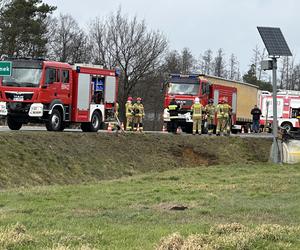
197, 109
139, 110
128, 109
223, 110
173, 109
210, 110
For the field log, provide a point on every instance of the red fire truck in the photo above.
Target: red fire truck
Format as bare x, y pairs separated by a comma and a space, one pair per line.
185, 88
288, 109
57, 94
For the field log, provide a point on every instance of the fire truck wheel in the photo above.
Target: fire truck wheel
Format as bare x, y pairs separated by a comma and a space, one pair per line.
54, 122
13, 124
95, 123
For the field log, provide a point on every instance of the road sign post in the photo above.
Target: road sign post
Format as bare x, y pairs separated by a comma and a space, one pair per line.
5, 68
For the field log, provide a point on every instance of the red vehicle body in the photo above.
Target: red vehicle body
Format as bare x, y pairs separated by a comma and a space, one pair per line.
185, 88
288, 109
57, 94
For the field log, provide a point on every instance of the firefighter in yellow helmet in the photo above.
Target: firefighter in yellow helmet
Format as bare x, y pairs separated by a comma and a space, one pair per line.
129, 114
223, 115
210, 111
197, 109
139, 114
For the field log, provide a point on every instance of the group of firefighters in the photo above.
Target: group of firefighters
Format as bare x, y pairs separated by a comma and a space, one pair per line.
222, 112
135, 113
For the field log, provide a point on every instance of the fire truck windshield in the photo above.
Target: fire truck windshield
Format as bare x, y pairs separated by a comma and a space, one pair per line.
23, 77
183, 89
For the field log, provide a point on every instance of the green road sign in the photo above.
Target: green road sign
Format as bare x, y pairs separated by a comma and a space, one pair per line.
5, 68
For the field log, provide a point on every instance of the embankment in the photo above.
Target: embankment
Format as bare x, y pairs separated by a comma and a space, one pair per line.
44, 158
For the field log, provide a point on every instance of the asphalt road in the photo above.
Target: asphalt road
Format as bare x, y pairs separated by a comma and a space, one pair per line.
41, 128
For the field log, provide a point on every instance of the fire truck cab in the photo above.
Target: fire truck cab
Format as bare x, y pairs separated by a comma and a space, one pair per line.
57, 94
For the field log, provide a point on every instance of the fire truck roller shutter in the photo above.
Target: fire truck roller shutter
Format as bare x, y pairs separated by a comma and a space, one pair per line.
110, 89
234, 101
83, 96
216, 97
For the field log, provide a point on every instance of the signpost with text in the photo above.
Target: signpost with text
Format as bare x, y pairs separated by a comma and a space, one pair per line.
5, 68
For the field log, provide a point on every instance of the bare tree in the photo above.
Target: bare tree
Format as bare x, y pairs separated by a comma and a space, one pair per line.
233, 68
69, 42
172, 62
188, 62
3, 3
206, 62
129, 44
219, 64
99, 42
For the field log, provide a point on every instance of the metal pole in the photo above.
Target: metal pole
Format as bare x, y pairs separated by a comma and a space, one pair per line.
275, 120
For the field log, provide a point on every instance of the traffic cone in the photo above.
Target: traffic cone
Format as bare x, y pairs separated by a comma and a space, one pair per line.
249, 130
243, 130
109, 128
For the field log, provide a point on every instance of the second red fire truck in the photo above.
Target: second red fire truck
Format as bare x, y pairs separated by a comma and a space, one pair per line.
57, 94
185, 88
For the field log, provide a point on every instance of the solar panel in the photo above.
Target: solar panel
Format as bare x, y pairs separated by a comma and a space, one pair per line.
274, 41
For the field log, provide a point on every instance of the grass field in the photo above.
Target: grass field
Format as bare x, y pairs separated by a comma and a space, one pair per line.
134, 212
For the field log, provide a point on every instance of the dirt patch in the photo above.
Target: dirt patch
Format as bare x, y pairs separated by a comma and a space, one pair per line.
43, 158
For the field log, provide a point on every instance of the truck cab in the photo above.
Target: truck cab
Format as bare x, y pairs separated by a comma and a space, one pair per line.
185, 88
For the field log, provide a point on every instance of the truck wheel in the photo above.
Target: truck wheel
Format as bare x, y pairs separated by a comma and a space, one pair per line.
287, 126
13, 124
54, 122
95, 123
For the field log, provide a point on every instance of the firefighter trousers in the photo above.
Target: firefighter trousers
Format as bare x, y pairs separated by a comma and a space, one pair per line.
129, 121
210, 125
223, 125
138, 123
197, 125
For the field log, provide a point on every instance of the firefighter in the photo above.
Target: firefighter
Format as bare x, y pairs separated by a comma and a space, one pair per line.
129, 114
224, 116
197, 109
227, 116
220, 115
139, 114
173, 109
210, 111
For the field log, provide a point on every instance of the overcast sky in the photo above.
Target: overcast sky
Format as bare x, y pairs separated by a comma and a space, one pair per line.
201, 24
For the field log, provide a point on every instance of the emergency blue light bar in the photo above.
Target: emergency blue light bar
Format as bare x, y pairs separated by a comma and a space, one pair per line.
184, 76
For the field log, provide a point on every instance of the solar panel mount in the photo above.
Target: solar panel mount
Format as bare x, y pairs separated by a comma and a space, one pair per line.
274, 41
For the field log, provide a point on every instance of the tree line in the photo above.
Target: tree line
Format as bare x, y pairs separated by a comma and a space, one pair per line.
30, 28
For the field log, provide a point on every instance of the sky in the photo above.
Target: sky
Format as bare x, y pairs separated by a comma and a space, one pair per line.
201, 24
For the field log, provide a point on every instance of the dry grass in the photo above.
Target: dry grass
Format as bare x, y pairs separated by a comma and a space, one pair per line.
230, 236
12, 236
62, 247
